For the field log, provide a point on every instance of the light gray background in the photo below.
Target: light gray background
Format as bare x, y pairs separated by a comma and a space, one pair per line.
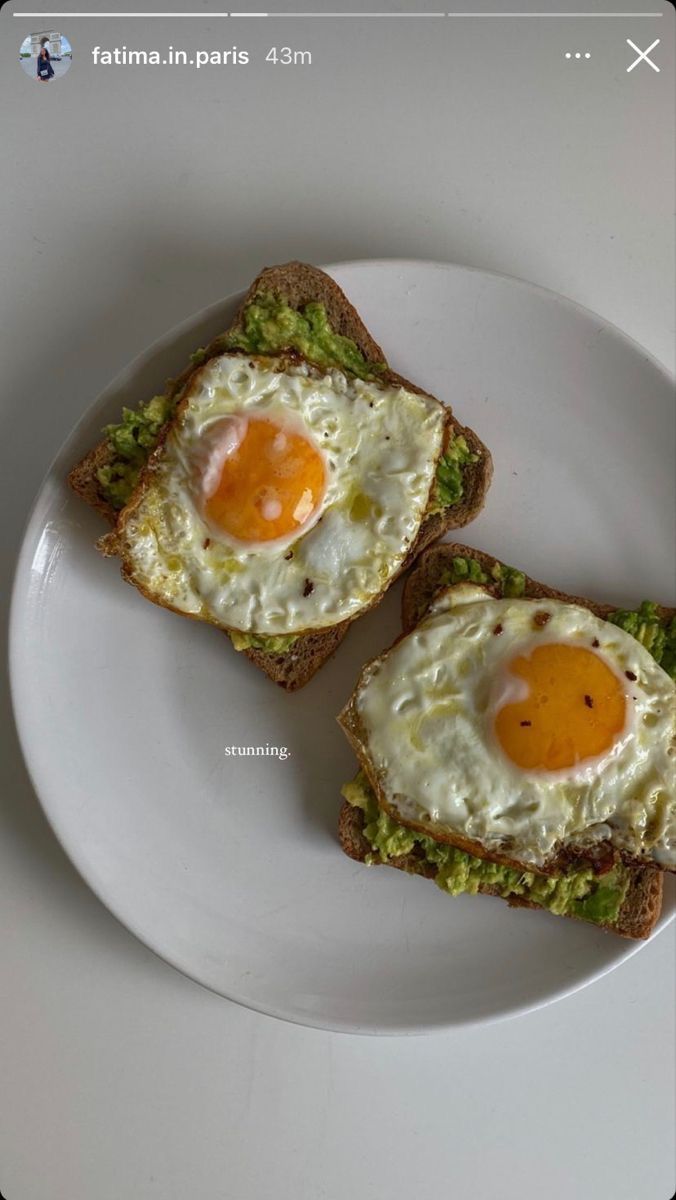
133, 197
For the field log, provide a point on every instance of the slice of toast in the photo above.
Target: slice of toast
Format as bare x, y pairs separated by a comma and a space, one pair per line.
636, 919
300, 283
429, 577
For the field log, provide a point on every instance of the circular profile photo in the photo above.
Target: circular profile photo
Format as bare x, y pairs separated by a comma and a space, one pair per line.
46, 56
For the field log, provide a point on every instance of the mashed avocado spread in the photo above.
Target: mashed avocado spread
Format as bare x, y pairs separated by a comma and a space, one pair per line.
132, 440
468, 570
449, 479
658, 637
269, 325
255, 641
578, 893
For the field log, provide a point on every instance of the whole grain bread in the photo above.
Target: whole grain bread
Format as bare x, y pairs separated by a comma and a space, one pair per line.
425, 582
636, 919
300, 283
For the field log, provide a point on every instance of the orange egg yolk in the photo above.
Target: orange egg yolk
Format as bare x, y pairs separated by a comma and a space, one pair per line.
574, 710
270, 484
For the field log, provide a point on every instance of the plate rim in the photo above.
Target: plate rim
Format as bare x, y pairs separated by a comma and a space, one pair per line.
26, 550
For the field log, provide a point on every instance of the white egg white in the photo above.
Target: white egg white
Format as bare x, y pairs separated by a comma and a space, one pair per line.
428, 709
380, 444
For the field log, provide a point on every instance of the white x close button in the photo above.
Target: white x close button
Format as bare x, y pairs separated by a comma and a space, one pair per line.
643, 55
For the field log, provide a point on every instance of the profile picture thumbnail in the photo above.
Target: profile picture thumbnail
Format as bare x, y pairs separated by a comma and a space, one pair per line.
46, 56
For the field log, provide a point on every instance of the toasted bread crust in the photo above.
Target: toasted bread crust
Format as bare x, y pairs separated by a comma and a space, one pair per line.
422, 585
300, 283
636, 919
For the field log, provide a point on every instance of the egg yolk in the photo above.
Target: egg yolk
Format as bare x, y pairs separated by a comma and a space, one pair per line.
270, 484
574, 710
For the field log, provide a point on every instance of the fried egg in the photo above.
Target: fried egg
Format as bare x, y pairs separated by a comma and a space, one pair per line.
283, 498
526, 725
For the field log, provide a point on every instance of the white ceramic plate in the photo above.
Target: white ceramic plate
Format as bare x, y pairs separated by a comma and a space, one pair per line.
229, 868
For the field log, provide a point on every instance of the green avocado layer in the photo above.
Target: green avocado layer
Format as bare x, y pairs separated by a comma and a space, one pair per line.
658, 637
132, 440
449, 483
255, 641
270, 325
468, 570
578, 893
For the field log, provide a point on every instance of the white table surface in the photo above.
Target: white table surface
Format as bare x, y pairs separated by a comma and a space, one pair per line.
134, 197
